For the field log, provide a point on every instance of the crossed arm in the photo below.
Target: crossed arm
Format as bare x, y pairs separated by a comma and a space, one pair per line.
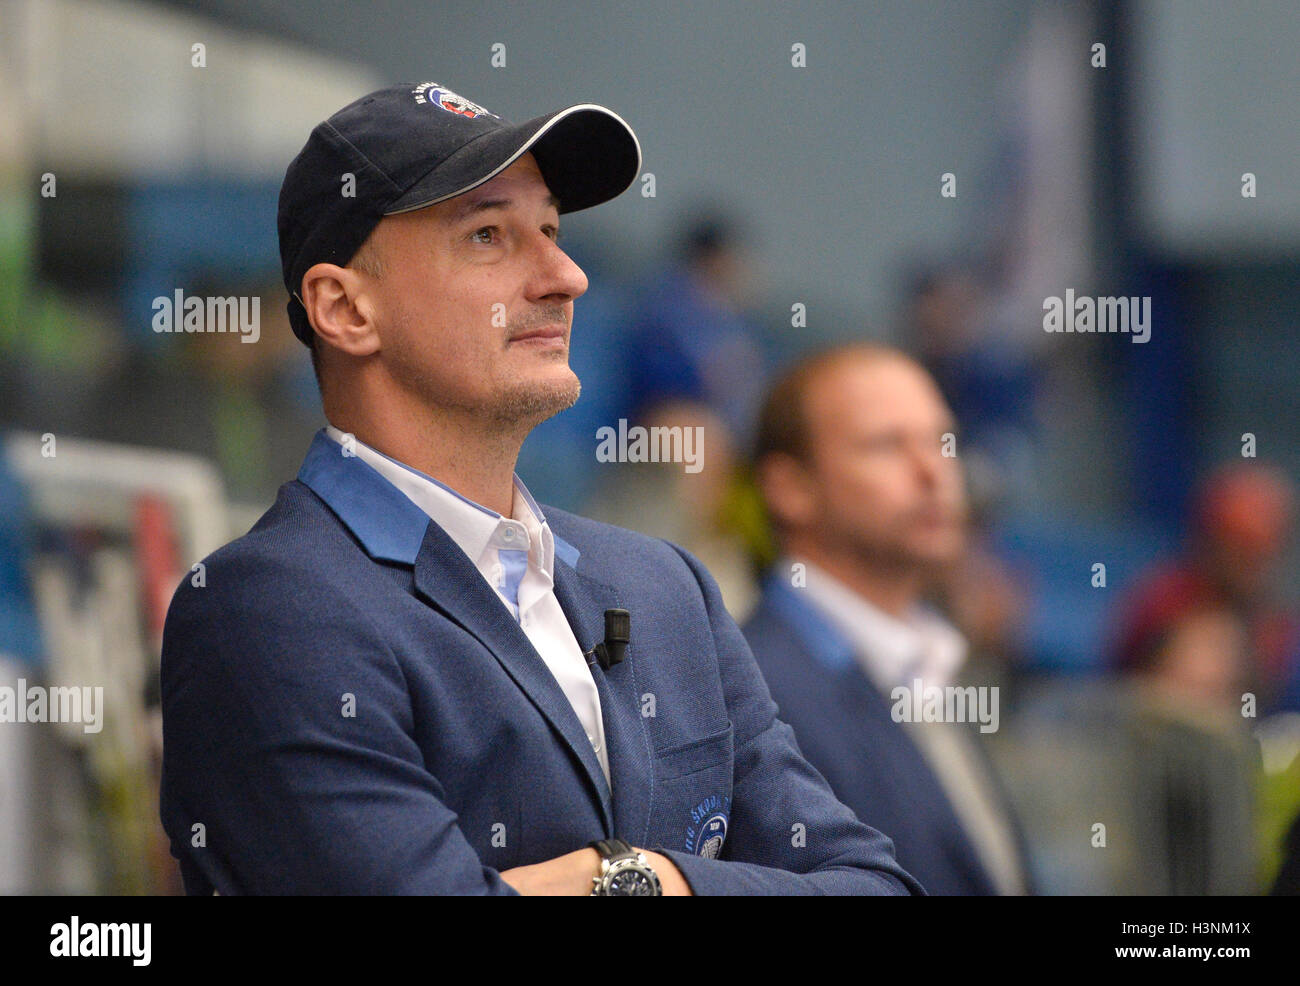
570, 875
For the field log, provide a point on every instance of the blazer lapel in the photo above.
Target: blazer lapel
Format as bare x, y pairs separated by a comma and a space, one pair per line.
393, 528
448, 580
584, 602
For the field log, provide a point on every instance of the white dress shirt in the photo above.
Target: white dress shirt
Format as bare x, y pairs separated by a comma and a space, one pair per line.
894, 652
515, 551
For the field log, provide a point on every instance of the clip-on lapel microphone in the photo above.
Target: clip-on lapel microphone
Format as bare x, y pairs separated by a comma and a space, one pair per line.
613, 649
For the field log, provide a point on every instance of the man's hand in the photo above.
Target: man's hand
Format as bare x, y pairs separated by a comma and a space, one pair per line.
570, 875
564, 876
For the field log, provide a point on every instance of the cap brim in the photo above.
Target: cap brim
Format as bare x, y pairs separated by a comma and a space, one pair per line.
587, 155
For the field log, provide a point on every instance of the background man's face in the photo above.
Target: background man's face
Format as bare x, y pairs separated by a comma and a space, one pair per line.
881, 485
476, 299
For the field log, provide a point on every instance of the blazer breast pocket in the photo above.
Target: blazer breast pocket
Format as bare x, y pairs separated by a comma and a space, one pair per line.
693, 795
700, 754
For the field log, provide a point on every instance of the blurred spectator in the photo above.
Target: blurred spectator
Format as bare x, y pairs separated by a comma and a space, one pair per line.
693, 509
988, 375
1202, 661
692, 338
1199, 635
694, 360
869, 512
1241, 524
1190, 652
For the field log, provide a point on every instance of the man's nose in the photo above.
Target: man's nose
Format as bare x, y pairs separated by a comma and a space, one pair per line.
930, 462
557, 277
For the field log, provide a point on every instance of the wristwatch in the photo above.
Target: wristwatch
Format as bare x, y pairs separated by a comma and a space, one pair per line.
624, 872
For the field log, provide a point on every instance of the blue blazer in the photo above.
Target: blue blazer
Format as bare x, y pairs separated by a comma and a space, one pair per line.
845, 730
349, 708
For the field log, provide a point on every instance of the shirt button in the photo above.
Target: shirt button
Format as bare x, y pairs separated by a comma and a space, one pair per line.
509, 535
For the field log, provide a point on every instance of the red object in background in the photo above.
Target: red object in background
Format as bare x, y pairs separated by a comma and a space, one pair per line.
158, 560
1248, 507
1160, 601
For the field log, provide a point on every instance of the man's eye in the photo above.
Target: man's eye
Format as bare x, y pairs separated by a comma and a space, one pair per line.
485, 235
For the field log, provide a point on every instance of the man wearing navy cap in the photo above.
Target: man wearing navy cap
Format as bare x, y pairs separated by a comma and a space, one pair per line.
408, 677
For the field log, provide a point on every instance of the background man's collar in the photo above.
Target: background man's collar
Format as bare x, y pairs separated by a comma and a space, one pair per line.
891, 650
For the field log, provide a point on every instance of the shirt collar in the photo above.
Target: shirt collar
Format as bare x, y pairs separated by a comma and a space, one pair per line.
388, 505
892, 651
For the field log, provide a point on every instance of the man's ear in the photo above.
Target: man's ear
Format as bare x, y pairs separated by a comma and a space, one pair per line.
787, 490
340, 308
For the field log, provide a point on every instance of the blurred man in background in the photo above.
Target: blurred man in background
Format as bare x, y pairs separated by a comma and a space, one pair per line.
869, 508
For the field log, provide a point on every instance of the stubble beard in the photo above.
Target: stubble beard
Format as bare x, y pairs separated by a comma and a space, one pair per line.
528, 405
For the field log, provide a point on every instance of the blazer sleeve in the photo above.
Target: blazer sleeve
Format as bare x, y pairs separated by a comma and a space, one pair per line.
288, 760
787, 833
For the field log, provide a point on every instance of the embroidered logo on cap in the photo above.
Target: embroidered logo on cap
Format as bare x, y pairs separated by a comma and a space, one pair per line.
443, 98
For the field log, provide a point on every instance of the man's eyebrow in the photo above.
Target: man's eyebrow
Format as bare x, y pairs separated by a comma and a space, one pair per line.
473, 208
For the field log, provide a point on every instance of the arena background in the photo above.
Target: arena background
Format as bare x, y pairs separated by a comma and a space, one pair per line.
808, 145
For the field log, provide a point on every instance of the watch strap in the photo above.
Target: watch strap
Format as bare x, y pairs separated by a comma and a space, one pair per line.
612, 848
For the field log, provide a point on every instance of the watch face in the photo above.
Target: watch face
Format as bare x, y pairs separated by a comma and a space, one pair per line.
630, 883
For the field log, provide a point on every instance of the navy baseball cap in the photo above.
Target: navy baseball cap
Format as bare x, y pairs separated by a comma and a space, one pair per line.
414, 144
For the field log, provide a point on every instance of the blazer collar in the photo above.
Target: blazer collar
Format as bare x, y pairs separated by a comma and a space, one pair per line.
828, 644
384, 519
